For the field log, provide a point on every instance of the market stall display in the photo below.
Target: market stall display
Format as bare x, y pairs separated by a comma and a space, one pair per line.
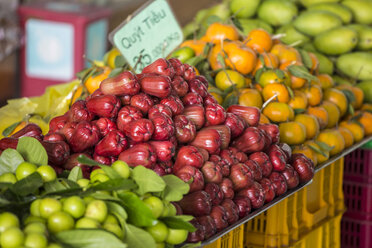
235, 125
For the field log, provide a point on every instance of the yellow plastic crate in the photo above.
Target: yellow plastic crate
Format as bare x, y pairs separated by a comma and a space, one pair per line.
233, 239
275, 227
333, 180
286, 222
325, 234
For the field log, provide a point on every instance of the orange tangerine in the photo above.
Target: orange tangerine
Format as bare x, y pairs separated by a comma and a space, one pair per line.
356, 129
259, 40
298, 101
366, 106
250, 97
333, 113
278, 112
218, 32
307, 151
93, 83
273, 76
337, 97
270, 60
296, 82
241, 58
315, 63
280, 90
264, 119
321, 155
292, 133
358, 94
333, 138
348, 136
320, 113
365, 120
314, 94
286, 53
196, 45
325, 81
311, 124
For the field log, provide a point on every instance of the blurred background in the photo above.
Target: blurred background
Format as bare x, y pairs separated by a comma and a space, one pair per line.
42, 42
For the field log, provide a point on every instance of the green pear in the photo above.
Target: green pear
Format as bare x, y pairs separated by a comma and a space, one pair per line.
361, 10
277, 12
365, 36
244, 8
336, 41
325, 64
249, 24
337, 9
366, 86
314, 22
357, 65
308, 3
291, 36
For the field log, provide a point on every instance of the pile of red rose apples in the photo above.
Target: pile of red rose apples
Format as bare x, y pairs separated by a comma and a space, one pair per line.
165, 119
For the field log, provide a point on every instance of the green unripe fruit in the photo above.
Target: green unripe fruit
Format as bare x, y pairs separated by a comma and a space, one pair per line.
87, 223
75, 206
8, 178
176, 236
49, 206
159, 232
12, 238
97, 210
115, 229
97, 171
244, 8
32, 219
35, 227
60, 221
155, 204
54, 245
111, 219
122, 168
25, 169
277, 12
83, 182
36, 240
47, 173
8, 220
100, 178
35, 208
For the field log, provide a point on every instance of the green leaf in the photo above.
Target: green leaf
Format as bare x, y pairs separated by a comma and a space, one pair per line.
110, 172
114, 184
115, 72
147, 180
54, 186
349, 95
306, 59
89, 238
258, 74
290, 91
119, 61
194, 60
138, 212
75, 174
237, 23
350, 109
230, 100
279, 73
324, 146
5, 185
212, 19
175, 188
301, 72
206, 49
82, 74
7, 131
221, 60
228, 90
186, 217
299, 111
117, 210
9, 161
87, 161
317, 150
32, 151
138, 238
215, 90
178, 223
27, 185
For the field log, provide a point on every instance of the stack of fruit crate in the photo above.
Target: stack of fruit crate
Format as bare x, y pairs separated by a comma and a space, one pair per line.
308, 218
357, 221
